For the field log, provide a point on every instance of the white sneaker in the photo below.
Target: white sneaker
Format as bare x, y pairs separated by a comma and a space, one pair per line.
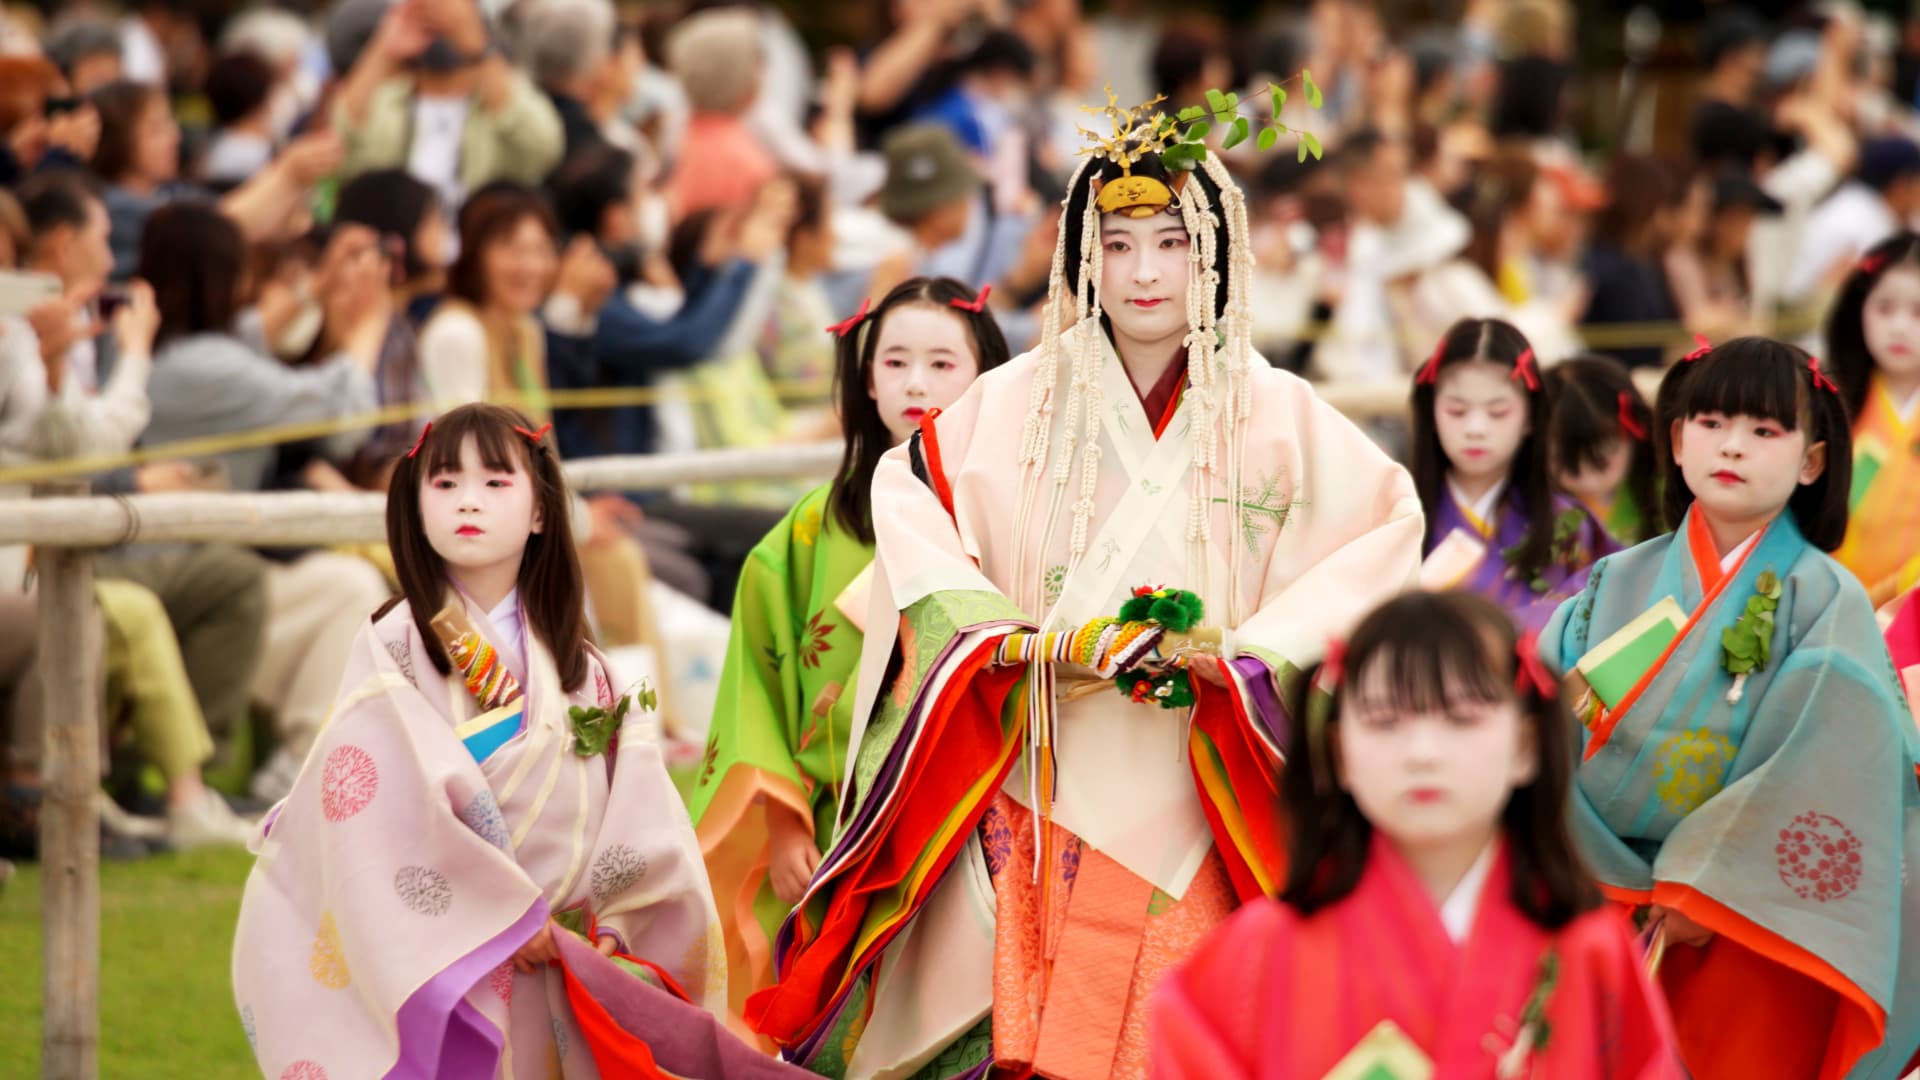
117, 820
206, 822
274, 781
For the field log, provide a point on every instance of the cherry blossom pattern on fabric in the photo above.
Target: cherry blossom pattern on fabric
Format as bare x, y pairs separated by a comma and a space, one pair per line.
402, 655
326, 961
348, 782
483, 816
501, 983
615, 871
1819, 857
304, 1069
423, 889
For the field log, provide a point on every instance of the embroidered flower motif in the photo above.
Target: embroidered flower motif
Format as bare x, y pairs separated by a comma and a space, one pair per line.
815, 641
304, 1070
403, 659
247, 1025
1070, 862
483, 816
1690, 768
326, 961
996, 840
602, 688
615, 871
1055, 580
1819, 857
501, 983
348, 783
806, 527
424, 890
712, 758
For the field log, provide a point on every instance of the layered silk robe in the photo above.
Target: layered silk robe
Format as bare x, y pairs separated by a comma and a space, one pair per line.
1457, 530
1883, 533
1785, 823
782, 721
1274, 995
425, 842
944, 930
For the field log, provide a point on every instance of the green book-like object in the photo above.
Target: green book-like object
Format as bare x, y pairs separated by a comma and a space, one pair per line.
1615, 666
1386, 1053
1868, 457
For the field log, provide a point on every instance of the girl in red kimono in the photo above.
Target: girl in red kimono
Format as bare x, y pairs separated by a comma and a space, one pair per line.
1435, 922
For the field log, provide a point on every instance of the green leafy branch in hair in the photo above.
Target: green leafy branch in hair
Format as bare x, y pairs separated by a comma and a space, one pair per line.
1747, 645
1187, 145
594, 727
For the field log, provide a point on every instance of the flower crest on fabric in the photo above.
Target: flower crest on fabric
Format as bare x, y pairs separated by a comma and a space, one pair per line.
616, 871
1819, 857
1690, 768
815, 640
403, 659
424, 890
996, 840
304, 1069
483, 816
348, 782
326, 960
501, 983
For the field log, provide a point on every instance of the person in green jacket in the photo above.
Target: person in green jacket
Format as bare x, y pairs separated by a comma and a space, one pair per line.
767, 793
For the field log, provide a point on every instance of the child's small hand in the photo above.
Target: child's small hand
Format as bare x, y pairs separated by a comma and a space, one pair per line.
607, 944
1680, 929
538, 951
792, 856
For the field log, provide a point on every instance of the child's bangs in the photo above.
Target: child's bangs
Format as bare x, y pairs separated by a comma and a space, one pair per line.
1748, 377
1581, 436
501, 448
1425, 665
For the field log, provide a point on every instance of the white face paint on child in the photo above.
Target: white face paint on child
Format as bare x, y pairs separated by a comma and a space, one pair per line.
1480, 414
1596, 485
1742, 470
1431, 778
1143, 278
1891, 323
477, 518
923, 359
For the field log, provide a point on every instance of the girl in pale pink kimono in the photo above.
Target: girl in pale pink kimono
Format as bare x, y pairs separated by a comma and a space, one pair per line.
473, 804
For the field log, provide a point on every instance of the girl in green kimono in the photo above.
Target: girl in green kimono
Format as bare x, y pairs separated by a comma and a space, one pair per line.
1600, 445
767, 792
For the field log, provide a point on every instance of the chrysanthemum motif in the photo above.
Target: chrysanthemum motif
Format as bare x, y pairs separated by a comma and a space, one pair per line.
996, 840
814, 640
1819, 857
403, 659
1690, 768
501, 983
1056, 580
615, 871
483, 816
304, 1070
326, 961
348, 782
423, 889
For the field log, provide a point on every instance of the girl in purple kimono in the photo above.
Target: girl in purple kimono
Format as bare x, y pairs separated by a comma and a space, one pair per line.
1494, 524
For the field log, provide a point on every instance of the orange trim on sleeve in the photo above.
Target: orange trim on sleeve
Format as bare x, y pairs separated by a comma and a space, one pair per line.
1696, 530
930, 442
1850, 1038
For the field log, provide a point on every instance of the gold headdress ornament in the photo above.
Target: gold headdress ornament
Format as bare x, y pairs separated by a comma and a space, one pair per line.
1139, 132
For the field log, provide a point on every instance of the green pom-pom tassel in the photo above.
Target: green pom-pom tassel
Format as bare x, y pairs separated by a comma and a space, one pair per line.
1177, 610
1136, 608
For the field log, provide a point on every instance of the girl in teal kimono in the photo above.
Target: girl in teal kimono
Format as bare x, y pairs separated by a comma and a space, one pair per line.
1600, 446
766, 795
1747, 763
1494, 524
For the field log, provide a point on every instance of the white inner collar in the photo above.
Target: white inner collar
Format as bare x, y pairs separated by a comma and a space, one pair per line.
1481, 508
1463, 903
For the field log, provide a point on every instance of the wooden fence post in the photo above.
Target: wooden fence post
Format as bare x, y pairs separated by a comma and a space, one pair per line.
69, 816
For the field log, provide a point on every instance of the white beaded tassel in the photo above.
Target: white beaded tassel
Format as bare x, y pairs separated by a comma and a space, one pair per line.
1239, 361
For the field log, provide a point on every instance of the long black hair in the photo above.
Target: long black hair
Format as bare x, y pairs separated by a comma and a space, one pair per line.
1770, 380
1498, 342
1847, 324
1436, 650
851, 497
1587, 396
1105, 169
551, 590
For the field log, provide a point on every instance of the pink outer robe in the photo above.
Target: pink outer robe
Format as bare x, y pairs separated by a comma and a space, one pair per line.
1280, 997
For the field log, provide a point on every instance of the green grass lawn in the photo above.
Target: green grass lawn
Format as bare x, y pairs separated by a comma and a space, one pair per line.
166, 936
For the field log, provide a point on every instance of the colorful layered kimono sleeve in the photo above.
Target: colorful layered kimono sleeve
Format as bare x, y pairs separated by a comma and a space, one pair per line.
1783, 821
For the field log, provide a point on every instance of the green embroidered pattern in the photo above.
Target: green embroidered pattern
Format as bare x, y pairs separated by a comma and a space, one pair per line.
1056, 580
963, 1054
1262, 510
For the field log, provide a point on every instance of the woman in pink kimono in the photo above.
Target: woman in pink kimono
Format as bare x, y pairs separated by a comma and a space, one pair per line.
473, 810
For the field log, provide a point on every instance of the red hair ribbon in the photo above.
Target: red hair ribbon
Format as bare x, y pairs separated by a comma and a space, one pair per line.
421, 441
1634, 429
1820, 380
1524, 370
842, 329
1334, 668
1701, 347
976, 305
1528, 670
534, 436
1430, 371
1871, 264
